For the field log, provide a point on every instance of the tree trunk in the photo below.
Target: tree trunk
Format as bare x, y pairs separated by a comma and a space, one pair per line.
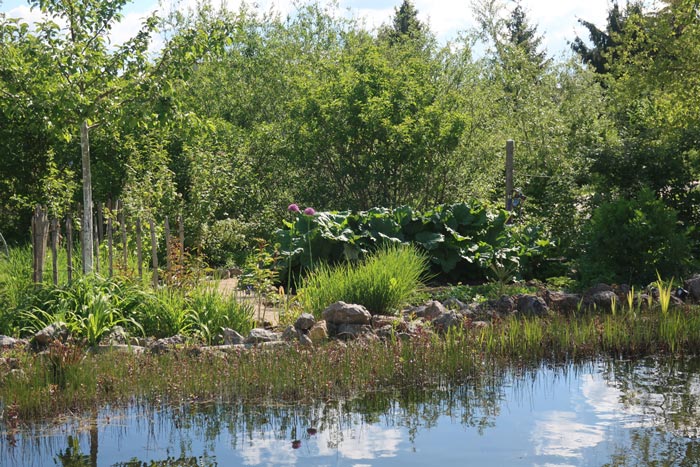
86, 228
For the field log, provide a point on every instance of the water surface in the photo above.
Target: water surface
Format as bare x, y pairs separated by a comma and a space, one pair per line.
602, 413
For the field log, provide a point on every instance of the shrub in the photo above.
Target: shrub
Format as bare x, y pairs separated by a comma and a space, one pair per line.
629, 240
381, 282
225, 241
462, 240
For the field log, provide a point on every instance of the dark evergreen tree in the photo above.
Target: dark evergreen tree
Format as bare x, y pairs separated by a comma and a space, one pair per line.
521, 34
405, 25
602, 52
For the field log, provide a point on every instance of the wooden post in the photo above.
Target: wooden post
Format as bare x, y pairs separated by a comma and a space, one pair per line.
100, 223
139, 248
510, 149
40, 234
168, 262
122, 227
86, 234
181, 231
69, 247
154, 252
96, 241
110, 241
54, 249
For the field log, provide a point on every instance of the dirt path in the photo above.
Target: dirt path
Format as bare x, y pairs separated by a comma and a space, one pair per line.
262, 314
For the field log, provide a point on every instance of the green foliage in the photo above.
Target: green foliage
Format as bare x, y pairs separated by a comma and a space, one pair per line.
382, 282
90, 306
628, 240
462, 240
225, 241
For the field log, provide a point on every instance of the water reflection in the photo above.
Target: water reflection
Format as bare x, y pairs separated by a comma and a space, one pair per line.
604, 413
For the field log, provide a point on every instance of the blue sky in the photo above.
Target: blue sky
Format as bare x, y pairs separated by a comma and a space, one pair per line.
556, 19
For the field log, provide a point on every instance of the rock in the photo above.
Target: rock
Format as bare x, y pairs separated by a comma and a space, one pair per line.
142, 341
448, 320
290, 334
116, 336
387, 332
692, 285
600, 300
343, 313
503, 306
7, 342
56, 331
166, 344
352, 331
480, 324
305, 322
304, 339
260, 335
562, 302
231, 337
599, 288
319, 332
121, 348
430, 310
380, 321
530, 305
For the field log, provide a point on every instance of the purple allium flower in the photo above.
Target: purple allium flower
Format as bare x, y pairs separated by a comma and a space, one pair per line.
293, 208
309, 211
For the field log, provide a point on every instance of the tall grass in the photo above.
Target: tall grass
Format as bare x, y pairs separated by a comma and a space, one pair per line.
382, 282
294, 373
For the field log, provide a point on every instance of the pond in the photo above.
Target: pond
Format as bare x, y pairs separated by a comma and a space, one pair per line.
643, 412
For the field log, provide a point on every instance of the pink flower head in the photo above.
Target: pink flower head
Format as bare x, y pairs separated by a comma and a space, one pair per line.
293, 208
309, 211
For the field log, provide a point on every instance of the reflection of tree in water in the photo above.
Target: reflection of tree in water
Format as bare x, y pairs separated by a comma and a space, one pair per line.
476, 405
203, 461
667, 392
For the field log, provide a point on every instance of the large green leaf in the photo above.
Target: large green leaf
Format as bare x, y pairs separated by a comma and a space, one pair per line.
430, 240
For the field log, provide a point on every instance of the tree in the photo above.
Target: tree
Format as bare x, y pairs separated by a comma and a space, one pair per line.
524, 36
602, 53
80, 78
405, 25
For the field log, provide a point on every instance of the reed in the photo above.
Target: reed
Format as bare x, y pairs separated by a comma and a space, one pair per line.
71, 379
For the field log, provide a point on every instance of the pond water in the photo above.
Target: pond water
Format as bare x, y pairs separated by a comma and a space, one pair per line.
615, 413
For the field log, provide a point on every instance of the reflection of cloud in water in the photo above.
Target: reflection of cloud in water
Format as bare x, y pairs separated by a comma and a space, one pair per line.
564, 434
560, 434
357, 443
605, 402
362, 442
266, 450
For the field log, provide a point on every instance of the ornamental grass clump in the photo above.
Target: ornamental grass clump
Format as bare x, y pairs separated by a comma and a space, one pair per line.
382, 282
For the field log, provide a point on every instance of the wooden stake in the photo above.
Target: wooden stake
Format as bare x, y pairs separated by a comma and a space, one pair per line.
69, 247
122, 226
510, 149
139, 248
110, 241
168, 262
154, 252
54, 249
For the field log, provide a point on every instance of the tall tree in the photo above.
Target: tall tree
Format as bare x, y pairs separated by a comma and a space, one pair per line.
602, 53
80, 78
523, 35
405, 25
